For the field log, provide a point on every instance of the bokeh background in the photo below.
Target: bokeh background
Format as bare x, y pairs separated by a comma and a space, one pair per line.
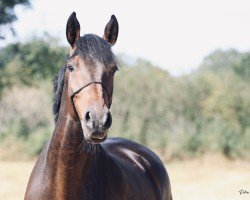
182, 89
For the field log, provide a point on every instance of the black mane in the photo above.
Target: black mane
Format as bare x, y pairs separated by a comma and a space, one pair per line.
91, 48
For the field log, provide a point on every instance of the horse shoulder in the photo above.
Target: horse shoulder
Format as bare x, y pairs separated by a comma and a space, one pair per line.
139, 159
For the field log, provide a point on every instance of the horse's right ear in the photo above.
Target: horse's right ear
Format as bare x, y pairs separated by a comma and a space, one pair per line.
72, 30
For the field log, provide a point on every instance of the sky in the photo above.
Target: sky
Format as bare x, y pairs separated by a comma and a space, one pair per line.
174, 34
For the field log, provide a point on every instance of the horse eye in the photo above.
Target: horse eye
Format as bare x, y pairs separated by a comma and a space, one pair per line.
114, 70
71, 68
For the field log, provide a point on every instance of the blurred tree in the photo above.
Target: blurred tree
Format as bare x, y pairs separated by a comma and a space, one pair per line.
243, 67
7, 13
229, 103
35, 60
221, 61
141, 102
201, 112
8, 53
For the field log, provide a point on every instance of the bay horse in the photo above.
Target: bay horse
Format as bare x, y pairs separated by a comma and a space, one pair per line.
79, 162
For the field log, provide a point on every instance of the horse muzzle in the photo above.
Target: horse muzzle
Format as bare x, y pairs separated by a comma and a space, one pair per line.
95, 124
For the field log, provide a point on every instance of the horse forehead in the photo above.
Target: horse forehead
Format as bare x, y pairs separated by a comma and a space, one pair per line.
92, 68
96, 70
99, 69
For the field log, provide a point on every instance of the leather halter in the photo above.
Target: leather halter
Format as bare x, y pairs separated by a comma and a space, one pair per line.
79, 90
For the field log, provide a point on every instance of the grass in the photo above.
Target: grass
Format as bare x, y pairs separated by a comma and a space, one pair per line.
13, 179
212, 177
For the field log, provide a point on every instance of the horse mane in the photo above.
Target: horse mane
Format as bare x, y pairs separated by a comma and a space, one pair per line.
91, 48
58, 90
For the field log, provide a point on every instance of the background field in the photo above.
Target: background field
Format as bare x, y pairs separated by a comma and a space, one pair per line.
209, 178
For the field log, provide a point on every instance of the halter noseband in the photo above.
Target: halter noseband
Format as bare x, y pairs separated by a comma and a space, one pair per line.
79, 90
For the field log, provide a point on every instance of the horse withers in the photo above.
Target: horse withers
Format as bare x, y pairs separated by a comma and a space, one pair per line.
79, 162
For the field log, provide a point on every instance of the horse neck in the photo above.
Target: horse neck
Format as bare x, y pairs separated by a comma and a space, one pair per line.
69, 155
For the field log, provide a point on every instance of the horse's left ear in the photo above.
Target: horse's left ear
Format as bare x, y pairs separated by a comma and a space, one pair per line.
111, 31
72, 30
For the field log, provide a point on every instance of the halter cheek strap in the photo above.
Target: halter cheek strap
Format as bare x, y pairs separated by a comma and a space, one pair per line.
79, 90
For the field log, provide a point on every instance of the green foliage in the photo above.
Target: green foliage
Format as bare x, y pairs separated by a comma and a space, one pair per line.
25, 119
25, 109
243, 68
135, 110
206, 111
35, 60
221, 61
7, 11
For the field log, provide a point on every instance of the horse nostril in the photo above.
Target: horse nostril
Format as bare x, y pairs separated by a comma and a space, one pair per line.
107, 120
87, 116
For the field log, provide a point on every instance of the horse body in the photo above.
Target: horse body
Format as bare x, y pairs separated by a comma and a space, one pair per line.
78, 163
114, 170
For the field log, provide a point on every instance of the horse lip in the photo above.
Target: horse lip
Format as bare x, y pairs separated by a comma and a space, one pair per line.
98, 135
97, 140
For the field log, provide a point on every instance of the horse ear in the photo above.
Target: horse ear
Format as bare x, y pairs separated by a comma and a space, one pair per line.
72, 30
111, 31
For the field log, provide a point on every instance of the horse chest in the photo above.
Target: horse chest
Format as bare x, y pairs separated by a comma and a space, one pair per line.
94, 186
